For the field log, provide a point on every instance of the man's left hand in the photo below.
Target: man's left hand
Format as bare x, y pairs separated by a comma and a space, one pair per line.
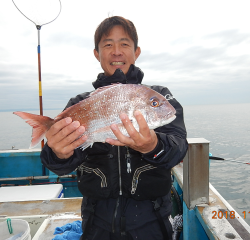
143, 141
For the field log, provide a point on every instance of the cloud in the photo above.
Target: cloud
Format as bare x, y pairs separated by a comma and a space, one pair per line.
3, 52
229, 37
199, 62
199, 74
191, 59
69, 38
19, 91
14, 75
194, 58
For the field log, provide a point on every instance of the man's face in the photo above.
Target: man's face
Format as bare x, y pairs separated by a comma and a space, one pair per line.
116, 51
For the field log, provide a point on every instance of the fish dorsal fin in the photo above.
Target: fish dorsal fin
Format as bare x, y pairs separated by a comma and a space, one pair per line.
101, 89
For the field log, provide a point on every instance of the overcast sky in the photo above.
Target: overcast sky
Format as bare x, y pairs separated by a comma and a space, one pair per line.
199, 49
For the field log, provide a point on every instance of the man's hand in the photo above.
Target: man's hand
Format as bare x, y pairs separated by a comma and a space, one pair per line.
63, 136
143, 141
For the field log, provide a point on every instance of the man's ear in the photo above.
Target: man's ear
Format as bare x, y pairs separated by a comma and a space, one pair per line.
96, 55
137, 52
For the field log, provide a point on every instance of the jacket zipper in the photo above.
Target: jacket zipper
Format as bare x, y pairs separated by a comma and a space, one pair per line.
114, 215
119, 169
137, 173
120, 191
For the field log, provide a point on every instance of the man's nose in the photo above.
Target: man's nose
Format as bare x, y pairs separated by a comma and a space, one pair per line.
116, 50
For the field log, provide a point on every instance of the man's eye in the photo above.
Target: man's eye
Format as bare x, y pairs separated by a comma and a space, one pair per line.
107, 45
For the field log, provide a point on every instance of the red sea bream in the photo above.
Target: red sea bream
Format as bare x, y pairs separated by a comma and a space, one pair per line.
103, 107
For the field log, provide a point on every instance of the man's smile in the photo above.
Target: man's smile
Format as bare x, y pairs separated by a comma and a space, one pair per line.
117, 63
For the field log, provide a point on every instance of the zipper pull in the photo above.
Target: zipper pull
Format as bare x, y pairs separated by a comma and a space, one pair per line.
134, 185
128, 162
80, 168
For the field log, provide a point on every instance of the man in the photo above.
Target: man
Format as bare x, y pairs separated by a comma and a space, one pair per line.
134, 204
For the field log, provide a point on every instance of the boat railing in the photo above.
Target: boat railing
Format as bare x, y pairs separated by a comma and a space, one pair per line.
206, 214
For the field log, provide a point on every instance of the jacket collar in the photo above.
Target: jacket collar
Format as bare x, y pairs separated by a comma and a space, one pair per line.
133, 76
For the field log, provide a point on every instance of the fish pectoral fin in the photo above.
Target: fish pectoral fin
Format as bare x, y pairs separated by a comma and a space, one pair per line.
86, 145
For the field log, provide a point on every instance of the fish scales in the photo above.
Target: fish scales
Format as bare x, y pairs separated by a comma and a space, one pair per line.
103, 108
99, 128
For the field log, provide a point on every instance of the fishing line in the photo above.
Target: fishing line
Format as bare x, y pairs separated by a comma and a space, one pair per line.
223, 159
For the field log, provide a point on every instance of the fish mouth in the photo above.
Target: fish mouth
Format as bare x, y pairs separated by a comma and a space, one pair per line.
117, 63
170, 119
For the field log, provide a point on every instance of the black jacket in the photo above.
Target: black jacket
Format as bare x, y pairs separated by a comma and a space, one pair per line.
103, 169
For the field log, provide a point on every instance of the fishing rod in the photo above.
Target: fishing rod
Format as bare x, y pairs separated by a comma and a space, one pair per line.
223, 159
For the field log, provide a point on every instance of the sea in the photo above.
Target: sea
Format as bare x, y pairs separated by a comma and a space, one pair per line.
227, 127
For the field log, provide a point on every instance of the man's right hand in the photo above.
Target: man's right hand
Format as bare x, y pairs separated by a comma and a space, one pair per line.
63, 137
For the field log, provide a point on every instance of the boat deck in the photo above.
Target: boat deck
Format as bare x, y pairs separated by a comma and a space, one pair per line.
43, 216
41, 207
47, 229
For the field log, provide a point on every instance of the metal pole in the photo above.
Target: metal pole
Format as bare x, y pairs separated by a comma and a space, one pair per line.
196, 173
36, 177
40, 77
40, 87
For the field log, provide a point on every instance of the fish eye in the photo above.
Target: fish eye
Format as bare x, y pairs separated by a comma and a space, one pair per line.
154, 102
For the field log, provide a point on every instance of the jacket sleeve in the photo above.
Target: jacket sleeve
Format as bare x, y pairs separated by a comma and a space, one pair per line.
63, 166
172, 144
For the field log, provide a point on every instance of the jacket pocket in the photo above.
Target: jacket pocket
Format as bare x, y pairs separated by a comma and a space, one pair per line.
96, 176
150, 182
136, 176
82, 168
92, 182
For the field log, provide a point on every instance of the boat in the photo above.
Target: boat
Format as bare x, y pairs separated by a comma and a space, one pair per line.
204, 213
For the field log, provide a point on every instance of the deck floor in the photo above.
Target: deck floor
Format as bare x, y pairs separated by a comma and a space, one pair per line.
49, 228
43, 216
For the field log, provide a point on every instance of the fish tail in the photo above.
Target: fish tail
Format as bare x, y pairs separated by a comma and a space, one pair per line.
40, 124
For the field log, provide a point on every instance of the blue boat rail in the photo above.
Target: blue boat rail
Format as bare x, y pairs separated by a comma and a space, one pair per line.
23, 167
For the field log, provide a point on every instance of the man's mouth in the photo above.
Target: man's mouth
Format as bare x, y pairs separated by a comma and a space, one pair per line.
117, 63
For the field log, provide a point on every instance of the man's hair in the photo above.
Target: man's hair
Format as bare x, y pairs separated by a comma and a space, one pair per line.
107, 24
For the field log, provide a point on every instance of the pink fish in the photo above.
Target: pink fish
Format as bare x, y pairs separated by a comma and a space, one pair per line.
103, 107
